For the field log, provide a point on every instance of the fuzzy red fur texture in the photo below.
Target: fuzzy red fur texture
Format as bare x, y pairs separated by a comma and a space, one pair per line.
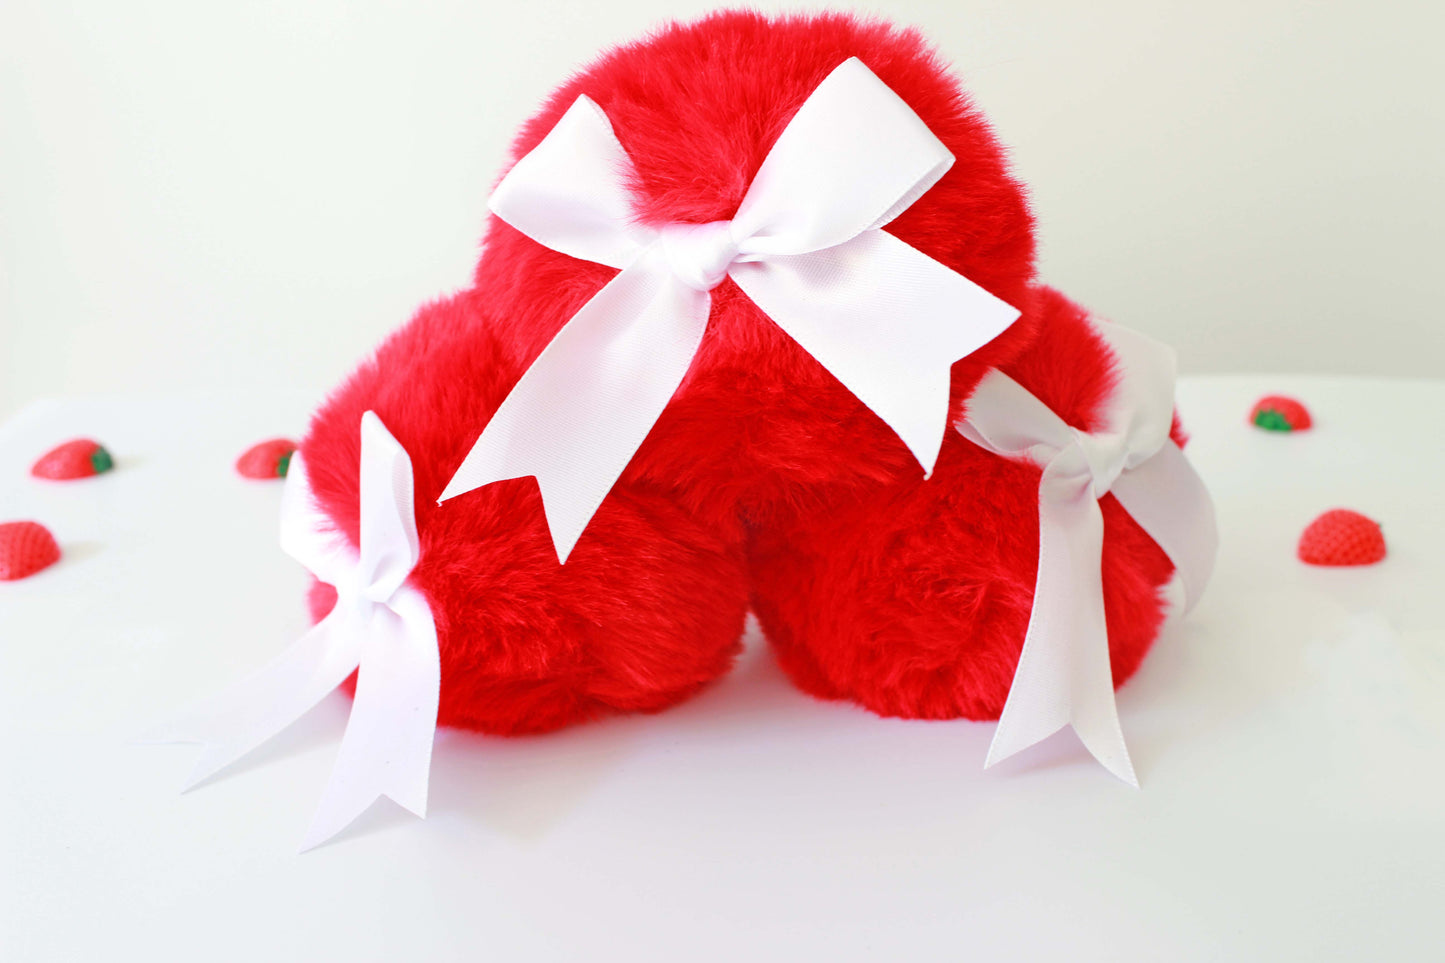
859, 567
758, 423
641, 616
650, 605
912, 598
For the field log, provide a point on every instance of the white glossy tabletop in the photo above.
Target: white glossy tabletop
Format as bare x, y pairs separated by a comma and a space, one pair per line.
1289, 736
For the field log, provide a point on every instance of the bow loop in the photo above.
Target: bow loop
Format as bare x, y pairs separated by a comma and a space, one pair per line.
304, 536
1105, 456
1140, 412
570, 192
878, 155
699, 254
390, 548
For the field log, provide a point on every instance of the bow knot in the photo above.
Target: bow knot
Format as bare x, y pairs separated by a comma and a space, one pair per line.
381, 627
365, 598
1064, 675
806, 245
1104, 456
699, 255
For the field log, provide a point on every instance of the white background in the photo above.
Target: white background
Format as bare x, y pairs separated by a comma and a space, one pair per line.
246, 195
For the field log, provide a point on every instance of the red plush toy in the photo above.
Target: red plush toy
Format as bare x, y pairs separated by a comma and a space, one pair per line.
650, 605
745, 277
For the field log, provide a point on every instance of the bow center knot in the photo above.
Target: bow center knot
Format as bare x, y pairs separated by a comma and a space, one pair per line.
1106, 457
375, 594
699, 254
359, 595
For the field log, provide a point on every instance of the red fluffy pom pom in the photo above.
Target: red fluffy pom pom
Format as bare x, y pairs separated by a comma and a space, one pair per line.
912, 597
759, 423
650, 605
647, 610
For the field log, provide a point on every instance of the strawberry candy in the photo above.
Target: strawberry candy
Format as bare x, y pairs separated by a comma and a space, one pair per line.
25, 548
1342, 537
81, 458
1279, 413
269, 459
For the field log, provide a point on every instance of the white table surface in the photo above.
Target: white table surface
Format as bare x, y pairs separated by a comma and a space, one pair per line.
1289, 735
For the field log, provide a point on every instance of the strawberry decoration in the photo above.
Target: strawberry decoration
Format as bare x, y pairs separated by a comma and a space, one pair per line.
1279, 413
269, 459
25, 548
81, 458
1342, 537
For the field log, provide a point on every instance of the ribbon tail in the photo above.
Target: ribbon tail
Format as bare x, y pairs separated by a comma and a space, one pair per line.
888, 322
258, 707
387, 747
583, 408
1169, 500
1064, 676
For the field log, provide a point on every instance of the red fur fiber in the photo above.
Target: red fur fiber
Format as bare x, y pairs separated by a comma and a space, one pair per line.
765, 481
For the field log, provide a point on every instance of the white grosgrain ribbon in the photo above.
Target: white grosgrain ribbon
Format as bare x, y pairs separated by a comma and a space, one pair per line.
806, 245
1064, 674
380, 624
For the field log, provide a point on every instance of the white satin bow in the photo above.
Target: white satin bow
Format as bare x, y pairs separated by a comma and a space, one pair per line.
380, 624
1064, 674
806, 246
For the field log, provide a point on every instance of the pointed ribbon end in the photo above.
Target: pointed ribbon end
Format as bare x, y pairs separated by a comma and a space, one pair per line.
1121, 768
1006, 746
210, 763
212, 760
328, 823
452, 491
563, 551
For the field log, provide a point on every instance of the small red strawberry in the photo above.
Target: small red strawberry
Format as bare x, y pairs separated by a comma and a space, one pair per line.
269, 459
25, 548
1342, 537
81, 458
1280, 413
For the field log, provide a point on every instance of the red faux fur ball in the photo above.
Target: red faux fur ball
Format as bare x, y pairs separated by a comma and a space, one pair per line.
650, 605
758, 423
912, 597
640, 617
